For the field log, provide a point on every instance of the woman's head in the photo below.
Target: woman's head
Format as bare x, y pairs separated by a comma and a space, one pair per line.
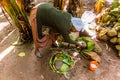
77, 23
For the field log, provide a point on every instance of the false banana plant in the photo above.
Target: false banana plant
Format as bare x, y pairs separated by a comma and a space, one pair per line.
15, 10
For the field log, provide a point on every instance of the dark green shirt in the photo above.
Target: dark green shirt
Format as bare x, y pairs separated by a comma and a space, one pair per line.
57, 19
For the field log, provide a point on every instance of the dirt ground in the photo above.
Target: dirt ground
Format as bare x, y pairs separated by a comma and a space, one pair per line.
29, 67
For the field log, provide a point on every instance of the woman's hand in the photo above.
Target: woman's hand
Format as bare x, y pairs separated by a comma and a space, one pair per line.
81, 44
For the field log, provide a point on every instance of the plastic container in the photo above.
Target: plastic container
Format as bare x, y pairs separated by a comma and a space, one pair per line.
93, 65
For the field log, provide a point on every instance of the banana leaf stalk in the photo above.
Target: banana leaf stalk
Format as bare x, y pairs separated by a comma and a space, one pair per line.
58, 4
21, 7
8, 8
6, 16
19, 17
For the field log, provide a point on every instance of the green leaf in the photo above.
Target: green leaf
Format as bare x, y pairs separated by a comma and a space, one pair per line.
90, 46
21, 54
90, 42
64, 68
67, 59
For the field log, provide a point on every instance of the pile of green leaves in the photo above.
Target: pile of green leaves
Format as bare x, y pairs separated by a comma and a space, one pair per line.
90, 43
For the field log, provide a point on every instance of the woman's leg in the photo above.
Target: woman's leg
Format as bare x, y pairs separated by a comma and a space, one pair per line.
36, 31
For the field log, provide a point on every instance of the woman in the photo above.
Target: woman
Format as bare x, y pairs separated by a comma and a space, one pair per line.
57, 20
